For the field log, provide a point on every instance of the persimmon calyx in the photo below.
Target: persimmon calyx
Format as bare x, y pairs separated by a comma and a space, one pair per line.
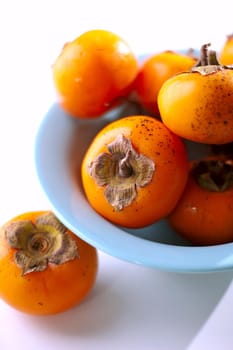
230, 36
40, 243
121, 171
214, 175
208, 62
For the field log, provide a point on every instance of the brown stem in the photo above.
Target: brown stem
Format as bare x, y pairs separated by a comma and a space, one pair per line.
38, 243
203, 59
208, 62
207, 57
125, 168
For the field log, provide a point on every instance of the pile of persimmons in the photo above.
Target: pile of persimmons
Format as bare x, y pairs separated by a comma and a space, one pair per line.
137, 169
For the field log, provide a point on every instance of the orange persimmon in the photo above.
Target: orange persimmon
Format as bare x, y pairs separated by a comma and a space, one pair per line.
198, 105
226, 53
203, 214
134, 171
44, 268
93, 72
155, 70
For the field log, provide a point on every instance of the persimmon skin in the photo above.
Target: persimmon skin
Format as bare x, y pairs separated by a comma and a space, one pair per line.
226, 53
54, 290
199, 108
154, 71
92, 72
152, 139
203, 217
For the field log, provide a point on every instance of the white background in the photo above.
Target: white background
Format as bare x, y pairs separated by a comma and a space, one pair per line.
131, 307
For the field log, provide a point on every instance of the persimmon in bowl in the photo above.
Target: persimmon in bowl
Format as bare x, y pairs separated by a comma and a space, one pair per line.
61, 143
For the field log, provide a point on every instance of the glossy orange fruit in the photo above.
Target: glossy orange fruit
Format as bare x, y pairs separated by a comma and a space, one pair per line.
203, 215
134, 171
44, 268
226, 52
199, 105
93, 72
155, 70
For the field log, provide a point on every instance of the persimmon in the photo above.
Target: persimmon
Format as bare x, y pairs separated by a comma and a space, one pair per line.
155, 70
203, 214
93, 72
226, 53
198, 105
44, 268
127, 168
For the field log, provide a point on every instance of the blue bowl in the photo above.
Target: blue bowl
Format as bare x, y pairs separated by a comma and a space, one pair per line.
60, 144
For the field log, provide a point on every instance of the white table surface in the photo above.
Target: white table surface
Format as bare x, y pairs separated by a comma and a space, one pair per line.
131, 307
